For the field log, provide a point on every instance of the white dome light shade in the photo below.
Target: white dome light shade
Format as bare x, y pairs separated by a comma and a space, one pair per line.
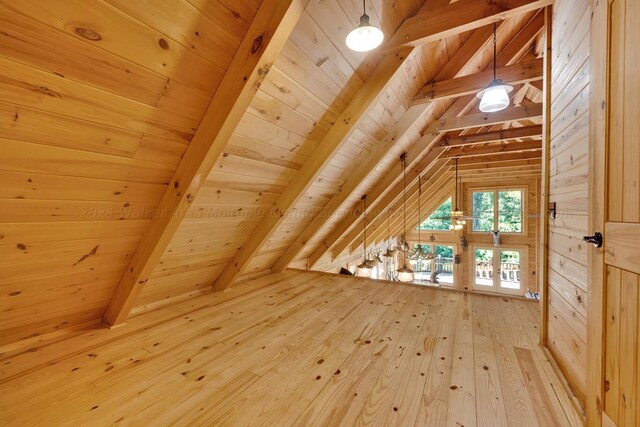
366, 37
405, 274
363, 270
495, 97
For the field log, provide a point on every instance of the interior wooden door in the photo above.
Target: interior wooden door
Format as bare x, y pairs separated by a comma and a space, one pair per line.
621, 234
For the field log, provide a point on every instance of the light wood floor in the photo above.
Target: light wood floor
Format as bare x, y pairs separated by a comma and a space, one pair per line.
298, 349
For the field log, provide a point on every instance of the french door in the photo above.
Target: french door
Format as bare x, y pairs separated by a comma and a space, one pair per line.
498, 270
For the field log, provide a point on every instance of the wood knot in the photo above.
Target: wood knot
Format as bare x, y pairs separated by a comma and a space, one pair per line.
163, 44
21, 246
257, 44
88, 34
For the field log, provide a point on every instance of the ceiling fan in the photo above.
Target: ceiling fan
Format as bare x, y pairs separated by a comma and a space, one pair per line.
457, 217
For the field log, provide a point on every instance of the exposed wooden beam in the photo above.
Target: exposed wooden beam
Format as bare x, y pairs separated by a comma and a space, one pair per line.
385, 196
508, 55
432, 134
468, 167
523, 112
505, 169
468, 52
262, 43
521, 72
439, 181
349, 187
367, 95
503, 165
493, 136
443, 191
456, 18
427, 206
494, 149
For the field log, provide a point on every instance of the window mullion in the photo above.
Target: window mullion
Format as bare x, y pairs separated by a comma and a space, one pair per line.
496, 225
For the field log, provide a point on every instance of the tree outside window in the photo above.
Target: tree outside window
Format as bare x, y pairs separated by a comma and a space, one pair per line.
440, 219
503, 208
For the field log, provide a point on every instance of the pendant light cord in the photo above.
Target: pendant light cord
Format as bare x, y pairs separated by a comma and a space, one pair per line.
364, 201
419, 214
494, 51
364, 7
456, 184
388, 230
404, 195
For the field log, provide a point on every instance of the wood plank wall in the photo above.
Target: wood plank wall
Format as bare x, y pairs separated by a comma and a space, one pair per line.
568, 171
95, 118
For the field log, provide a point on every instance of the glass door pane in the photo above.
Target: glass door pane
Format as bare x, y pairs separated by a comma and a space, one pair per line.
443, 264
510, 271
484, 267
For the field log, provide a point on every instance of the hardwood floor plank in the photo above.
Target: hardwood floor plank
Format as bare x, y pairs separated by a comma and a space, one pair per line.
297, 348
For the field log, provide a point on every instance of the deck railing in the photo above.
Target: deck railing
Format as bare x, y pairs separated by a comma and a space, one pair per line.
509, 271
442, 265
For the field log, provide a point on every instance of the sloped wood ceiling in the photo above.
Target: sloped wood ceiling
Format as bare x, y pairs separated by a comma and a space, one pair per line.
312, 82
101, 99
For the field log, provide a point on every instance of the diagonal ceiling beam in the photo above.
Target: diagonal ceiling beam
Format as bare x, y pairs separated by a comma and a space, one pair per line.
427, 166
262, 43
508, 55
501, 153
465, 55
434, 132
401, 127
522, 72
428, 207
458, 17
493, 136
440, 180
505, 164
348, 121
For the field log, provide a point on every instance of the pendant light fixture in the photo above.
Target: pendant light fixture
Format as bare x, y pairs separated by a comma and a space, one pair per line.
364, 269
496, 96
405, 274
457, 221
365, 37
419, 254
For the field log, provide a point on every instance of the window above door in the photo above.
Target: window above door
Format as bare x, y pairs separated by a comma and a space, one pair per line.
497, 210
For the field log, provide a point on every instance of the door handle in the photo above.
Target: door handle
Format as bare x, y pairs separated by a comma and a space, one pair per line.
595, 240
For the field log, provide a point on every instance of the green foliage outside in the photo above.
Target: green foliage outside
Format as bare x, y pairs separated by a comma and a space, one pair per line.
509, 211
440, 218
442, 251
505, 256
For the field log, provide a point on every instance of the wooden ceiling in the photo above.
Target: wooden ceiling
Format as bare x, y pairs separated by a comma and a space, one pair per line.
151, 150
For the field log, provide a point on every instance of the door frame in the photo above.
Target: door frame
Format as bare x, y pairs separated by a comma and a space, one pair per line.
598, 149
